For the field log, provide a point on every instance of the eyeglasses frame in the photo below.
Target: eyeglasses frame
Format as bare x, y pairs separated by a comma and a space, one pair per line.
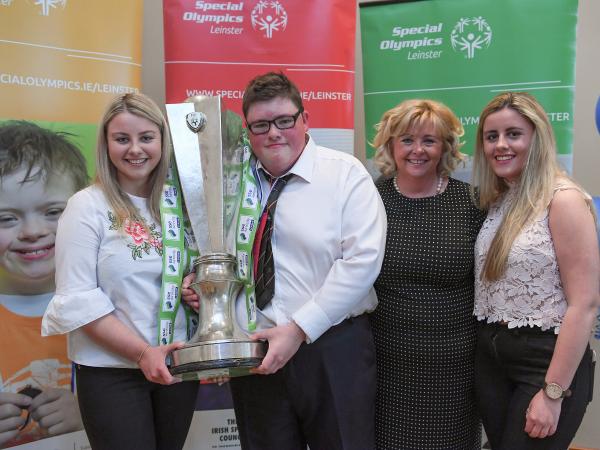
272, 122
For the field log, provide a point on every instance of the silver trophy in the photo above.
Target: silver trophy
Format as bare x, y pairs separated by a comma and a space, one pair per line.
208, 151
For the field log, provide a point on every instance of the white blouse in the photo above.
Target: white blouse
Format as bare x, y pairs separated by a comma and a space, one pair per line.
530, 292
103, 269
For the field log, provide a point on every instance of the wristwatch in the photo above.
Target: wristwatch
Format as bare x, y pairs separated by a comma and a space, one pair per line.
555, 391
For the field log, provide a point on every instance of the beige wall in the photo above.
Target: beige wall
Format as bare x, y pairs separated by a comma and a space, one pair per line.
586, 157
586, 162
586, 165
153, 55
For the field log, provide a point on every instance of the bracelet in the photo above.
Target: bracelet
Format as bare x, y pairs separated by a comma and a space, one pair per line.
139, 358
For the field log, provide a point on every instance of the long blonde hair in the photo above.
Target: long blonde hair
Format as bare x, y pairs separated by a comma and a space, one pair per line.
535, 187
106, 173
414, 114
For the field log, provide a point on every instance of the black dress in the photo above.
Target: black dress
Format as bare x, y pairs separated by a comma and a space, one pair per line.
424, 325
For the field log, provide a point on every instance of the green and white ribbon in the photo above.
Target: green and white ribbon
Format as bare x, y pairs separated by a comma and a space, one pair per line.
180, 249
249, 214
179, 252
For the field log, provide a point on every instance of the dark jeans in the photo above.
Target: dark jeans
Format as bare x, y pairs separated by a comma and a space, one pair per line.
510, 368
121, 410
324, 396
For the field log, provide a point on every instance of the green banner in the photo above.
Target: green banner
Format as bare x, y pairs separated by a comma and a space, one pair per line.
464, 52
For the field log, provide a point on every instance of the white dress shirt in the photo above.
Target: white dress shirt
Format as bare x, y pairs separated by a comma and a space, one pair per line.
96, 274
328, 243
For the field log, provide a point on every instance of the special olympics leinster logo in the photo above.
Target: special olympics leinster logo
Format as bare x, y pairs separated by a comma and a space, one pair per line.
269, 16
470, 34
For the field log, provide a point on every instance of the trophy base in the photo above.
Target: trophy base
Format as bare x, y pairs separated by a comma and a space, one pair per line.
227, 358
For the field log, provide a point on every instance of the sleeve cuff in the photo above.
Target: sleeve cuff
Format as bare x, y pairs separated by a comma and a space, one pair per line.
313, 321
66, 313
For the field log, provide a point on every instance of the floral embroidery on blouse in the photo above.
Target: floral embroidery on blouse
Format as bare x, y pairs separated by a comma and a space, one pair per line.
145, 237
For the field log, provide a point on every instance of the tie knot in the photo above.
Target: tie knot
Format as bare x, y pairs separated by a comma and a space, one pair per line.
268, 176
281, 181
284, 179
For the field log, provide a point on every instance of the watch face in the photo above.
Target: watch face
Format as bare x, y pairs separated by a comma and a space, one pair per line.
553, 390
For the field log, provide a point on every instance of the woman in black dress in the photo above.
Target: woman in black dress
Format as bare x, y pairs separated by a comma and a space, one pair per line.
424, 328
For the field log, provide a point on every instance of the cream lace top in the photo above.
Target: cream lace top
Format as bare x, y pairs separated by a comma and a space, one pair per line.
530, 292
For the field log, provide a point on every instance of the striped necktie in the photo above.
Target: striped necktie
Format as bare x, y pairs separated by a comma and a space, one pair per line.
264, 268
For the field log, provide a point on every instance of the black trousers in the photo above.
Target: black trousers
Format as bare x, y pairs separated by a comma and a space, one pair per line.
510, 368
324, 396
121, 410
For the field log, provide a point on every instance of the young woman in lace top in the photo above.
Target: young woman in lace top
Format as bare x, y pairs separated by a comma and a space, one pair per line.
536, 282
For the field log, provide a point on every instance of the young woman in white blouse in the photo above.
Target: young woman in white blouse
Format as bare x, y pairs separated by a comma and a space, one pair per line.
109, 272
536, 282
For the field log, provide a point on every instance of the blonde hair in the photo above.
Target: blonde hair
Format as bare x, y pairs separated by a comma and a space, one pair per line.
414, 114
536, 183
106, 173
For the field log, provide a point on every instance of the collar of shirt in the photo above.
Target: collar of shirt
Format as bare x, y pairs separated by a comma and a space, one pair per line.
302, 168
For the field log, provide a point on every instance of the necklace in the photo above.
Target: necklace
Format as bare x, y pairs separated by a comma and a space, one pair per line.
438, 188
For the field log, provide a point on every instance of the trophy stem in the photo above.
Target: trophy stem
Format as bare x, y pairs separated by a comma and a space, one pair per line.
218, 286
214, 349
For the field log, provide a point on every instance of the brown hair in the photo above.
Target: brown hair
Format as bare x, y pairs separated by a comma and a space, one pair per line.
42, 152
269, 86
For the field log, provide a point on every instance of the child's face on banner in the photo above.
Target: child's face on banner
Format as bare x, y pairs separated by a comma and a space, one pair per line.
29, 215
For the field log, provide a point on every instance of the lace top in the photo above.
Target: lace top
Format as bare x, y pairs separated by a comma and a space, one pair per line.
530, 291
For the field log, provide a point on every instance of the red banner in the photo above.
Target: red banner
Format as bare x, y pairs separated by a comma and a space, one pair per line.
216, 47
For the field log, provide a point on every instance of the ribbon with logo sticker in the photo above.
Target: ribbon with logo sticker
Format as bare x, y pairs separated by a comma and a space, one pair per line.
250, 210
179, 253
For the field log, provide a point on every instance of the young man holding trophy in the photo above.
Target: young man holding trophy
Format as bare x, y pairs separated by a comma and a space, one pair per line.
317, 249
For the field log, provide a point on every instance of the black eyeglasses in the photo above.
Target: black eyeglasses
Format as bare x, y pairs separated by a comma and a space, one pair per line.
281, 122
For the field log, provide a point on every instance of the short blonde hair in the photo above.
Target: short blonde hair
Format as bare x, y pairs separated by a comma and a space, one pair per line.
106, 173
412, 114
